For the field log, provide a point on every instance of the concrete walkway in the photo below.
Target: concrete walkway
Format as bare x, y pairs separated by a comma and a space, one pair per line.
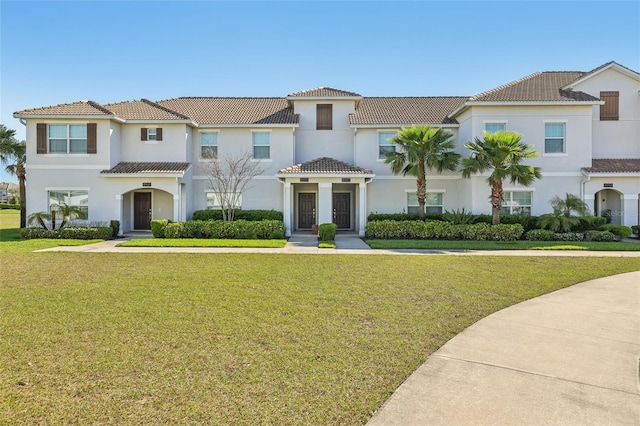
571, 357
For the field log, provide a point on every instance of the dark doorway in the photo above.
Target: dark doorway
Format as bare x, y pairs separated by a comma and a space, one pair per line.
306, 210
141, 210
342, 210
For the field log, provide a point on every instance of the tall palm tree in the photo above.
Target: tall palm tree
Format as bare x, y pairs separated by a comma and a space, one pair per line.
14, 155
502, 153
422, 148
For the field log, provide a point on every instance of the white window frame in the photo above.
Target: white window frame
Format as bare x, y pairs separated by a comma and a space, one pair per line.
494, 123
152, 134
68, 191
253, 145
508, 205
385, 143
213, 203
564, 138
429, 192
68, 139
215, 154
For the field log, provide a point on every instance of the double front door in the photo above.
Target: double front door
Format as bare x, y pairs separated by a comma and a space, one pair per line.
341, 210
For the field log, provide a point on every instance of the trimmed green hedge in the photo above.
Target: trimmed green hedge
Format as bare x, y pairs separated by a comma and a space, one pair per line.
249, 215
399, 217
157, 227
9, 206
619, 231
70, 233
327, 231
547, 235
238, 229
389, 229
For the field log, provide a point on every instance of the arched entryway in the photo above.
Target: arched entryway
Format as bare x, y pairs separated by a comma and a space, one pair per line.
609, 203
142, 205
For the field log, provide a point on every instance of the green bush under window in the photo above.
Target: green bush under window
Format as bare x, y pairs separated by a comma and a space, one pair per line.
238, 229
249, 215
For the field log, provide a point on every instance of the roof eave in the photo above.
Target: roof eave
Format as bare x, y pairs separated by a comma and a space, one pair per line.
616, 66
214, 125
325, 175
145, 175
69, 116
323, 98
470, 104
399, 125
168, 121
611, 174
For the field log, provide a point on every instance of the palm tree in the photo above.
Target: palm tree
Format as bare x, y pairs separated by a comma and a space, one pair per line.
70, 212
571, 203
561, 219
15, 153
502, 153
422, 148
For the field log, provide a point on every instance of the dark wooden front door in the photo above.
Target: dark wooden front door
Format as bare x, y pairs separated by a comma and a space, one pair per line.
141, 210
306, 210
342, 210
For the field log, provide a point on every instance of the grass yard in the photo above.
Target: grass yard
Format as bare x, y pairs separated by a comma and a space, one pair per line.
9, 225
129, 339
201, 242
502, 245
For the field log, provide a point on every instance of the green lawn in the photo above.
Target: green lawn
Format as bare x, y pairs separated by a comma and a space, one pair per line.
200, 242
501, 245
9, 225
111, 338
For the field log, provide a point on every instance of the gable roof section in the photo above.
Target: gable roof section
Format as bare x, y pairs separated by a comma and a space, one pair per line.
146, 168
537, 87
406, 110
618, 165
609, 65
144, 110
74, 108
323, 92
230, 111
324, 166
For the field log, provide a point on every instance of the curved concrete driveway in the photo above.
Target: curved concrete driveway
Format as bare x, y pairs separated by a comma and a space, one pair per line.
566, 358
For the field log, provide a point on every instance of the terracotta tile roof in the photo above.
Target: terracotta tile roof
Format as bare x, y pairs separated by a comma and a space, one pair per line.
143, 110
233, 110
74, 108
147, 167
323, 92
614, 165
325, 165
407, 110
538, 87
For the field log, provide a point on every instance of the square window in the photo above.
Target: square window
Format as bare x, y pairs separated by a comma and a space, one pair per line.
554, 136
261, 145
433, 203
516, 202
384, 145
209, 145
67, 138
215, 203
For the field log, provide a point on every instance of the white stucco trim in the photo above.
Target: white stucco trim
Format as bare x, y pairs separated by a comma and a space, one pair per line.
412, 178
66, 167
323, 175
437, 191
401, 125
67, 188
258, 127
142, 175
521, 189
630, 196
613, 175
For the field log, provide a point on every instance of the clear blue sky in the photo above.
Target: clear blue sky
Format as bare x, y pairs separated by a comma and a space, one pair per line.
57, 51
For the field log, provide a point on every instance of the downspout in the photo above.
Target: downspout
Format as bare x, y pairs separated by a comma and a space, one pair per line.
355, 159
583, 182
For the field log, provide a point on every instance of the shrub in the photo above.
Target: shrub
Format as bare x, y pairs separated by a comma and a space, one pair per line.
69, 233
459, 217
173, 230
588, 223
398, 217
115, 226
636, 229
238, 229
620, 231
389, 229
9, 206
249, 215
158, 227
599, 236
327, 231
33, 233
568, 236
539, 235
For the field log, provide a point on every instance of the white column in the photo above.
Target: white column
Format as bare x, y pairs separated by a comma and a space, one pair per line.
629, 210
325, 205
120, 214
286, 208
176, 207
362, 208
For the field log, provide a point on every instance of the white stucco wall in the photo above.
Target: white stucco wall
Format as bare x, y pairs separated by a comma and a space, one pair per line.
172, 147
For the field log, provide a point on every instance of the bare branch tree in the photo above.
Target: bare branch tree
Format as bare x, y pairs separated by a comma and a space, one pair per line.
229, 176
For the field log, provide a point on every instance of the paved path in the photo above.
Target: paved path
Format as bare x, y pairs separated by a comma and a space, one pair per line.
566, 358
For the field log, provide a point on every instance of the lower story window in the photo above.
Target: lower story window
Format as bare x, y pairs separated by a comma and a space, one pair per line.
78, 200
433, 203
516, 202
215, 201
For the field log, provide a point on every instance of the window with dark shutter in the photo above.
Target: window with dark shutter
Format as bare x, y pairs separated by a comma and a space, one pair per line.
324, 117
92, 138
609, 111
159, 134
143, 134
41, 138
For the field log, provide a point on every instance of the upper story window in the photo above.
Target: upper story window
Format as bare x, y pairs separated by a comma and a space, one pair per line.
324, 117
554, 138
516, 202
261, 145
495, 127
66, 138
432, 201
151, 134
384, 144
609, 111
209, 145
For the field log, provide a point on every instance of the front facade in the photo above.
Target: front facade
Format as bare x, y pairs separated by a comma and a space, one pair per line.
321, 151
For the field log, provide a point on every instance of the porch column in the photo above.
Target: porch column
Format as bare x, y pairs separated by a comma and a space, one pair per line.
630, 210
590, 199
120, 215
324, 208
286, 208
176, 208
362, 208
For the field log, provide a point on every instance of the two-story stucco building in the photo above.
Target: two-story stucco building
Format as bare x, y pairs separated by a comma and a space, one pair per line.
322, 151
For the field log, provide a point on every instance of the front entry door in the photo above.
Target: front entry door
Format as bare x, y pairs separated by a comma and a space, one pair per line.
141, 210
306, 210
342, 210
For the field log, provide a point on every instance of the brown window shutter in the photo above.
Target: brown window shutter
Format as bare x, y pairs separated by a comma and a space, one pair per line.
143, 134
609, 111
92, 138
324, 117
159, 134
41, 138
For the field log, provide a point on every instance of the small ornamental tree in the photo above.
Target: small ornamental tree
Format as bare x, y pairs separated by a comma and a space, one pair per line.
229, 176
